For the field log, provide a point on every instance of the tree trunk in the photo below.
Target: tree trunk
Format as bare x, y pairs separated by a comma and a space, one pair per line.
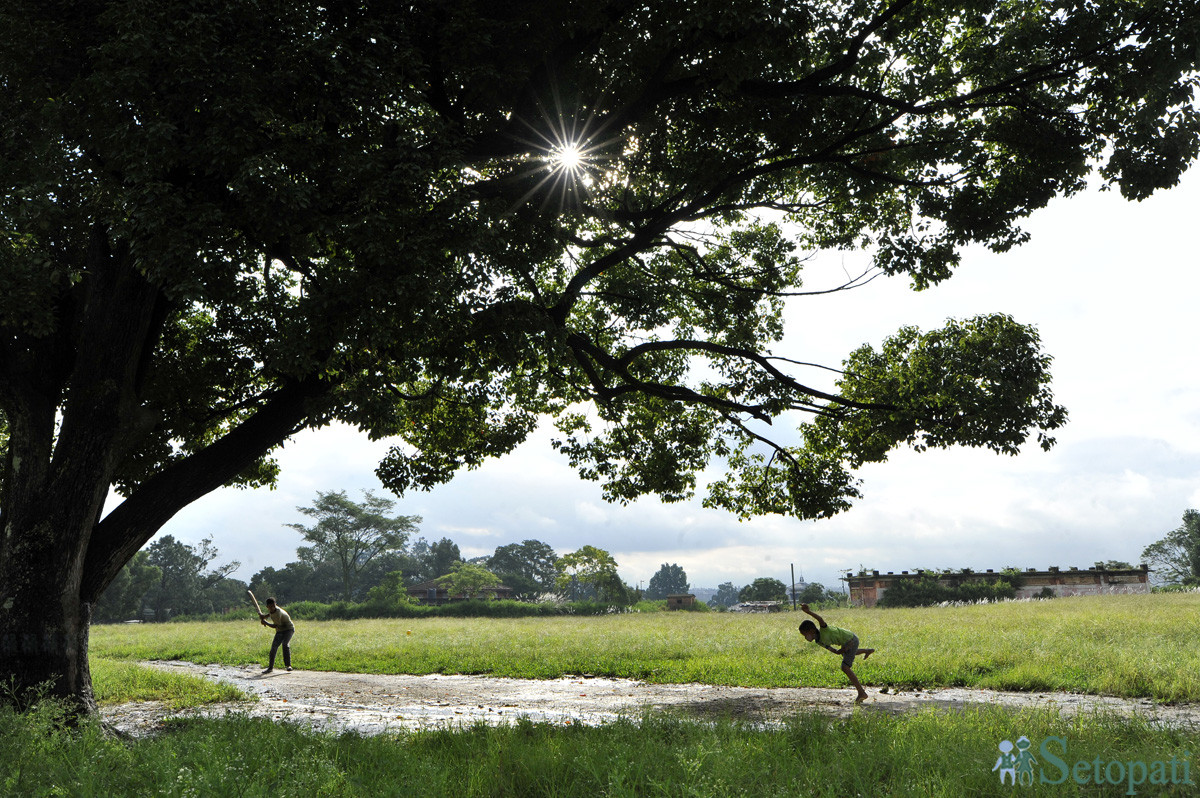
68, 406
43, 623
73, 411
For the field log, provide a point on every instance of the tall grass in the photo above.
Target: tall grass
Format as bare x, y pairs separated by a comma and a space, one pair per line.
924, 754
1137, 646
116, 682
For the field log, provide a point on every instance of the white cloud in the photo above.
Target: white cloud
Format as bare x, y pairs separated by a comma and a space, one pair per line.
591, 513
467, 531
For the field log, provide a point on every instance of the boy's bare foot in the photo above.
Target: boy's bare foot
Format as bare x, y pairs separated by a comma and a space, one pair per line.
861, 698
868, 652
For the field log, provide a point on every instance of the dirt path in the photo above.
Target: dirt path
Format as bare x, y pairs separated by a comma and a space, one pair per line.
371, 704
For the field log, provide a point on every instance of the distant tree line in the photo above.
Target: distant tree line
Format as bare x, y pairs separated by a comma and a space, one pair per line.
359, 552
170, 578
770, 589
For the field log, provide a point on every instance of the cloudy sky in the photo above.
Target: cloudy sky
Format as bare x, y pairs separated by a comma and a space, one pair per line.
1112, 286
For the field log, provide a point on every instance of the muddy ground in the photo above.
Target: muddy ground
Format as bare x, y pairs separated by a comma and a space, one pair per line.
371, 704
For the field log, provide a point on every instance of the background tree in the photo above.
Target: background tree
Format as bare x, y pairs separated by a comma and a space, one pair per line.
668, 580
227, 594
590, 573
764, 588
814, 592
468, 579
391, 590
528, 567
377, 569
727, 595
123, 599
435, 559
1176, 557
185, 584
351, 534
299, 581
220, 227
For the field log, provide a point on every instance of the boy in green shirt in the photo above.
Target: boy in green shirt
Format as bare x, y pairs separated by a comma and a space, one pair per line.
847, 642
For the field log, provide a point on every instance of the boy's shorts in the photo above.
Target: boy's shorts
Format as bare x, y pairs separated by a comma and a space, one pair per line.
849, 651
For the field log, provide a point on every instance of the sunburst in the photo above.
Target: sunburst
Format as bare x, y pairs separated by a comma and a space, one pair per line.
567, 157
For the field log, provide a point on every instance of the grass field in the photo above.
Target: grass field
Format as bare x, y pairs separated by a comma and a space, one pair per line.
117, 682
870, 754
1134, 646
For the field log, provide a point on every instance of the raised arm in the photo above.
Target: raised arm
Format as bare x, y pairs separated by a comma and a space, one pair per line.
820, 620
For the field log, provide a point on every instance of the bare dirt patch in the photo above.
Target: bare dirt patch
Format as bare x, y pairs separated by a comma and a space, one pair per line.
371, 704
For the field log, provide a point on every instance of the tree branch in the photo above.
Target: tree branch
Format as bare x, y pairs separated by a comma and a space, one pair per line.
127, 528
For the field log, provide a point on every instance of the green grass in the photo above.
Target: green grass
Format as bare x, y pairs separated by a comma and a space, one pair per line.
1136, 646
117, 682
924, 754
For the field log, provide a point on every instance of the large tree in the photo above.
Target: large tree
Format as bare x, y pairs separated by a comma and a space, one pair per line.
590, 573
1176, 557
350, 534
528, 567
668, 580
186, 581
764, 588
222, 223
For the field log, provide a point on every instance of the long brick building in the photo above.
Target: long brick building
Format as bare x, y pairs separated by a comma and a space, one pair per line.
868, 588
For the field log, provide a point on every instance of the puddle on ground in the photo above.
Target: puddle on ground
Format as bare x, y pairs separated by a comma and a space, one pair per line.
373, 704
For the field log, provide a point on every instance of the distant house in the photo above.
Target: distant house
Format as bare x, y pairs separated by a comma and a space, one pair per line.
757, 606
432, 593
868, 588
679, 601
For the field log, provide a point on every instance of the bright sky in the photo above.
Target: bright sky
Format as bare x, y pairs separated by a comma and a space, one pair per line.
1112, 286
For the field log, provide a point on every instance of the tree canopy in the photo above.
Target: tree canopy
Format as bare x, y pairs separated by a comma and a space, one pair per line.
528, 567
352, 534
186, 583
764, 588
590, 573
440, 222
469, 579
668, 580
726, 596
1176, 557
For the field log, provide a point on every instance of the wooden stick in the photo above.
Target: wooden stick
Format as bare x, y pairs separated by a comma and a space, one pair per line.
252, 598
